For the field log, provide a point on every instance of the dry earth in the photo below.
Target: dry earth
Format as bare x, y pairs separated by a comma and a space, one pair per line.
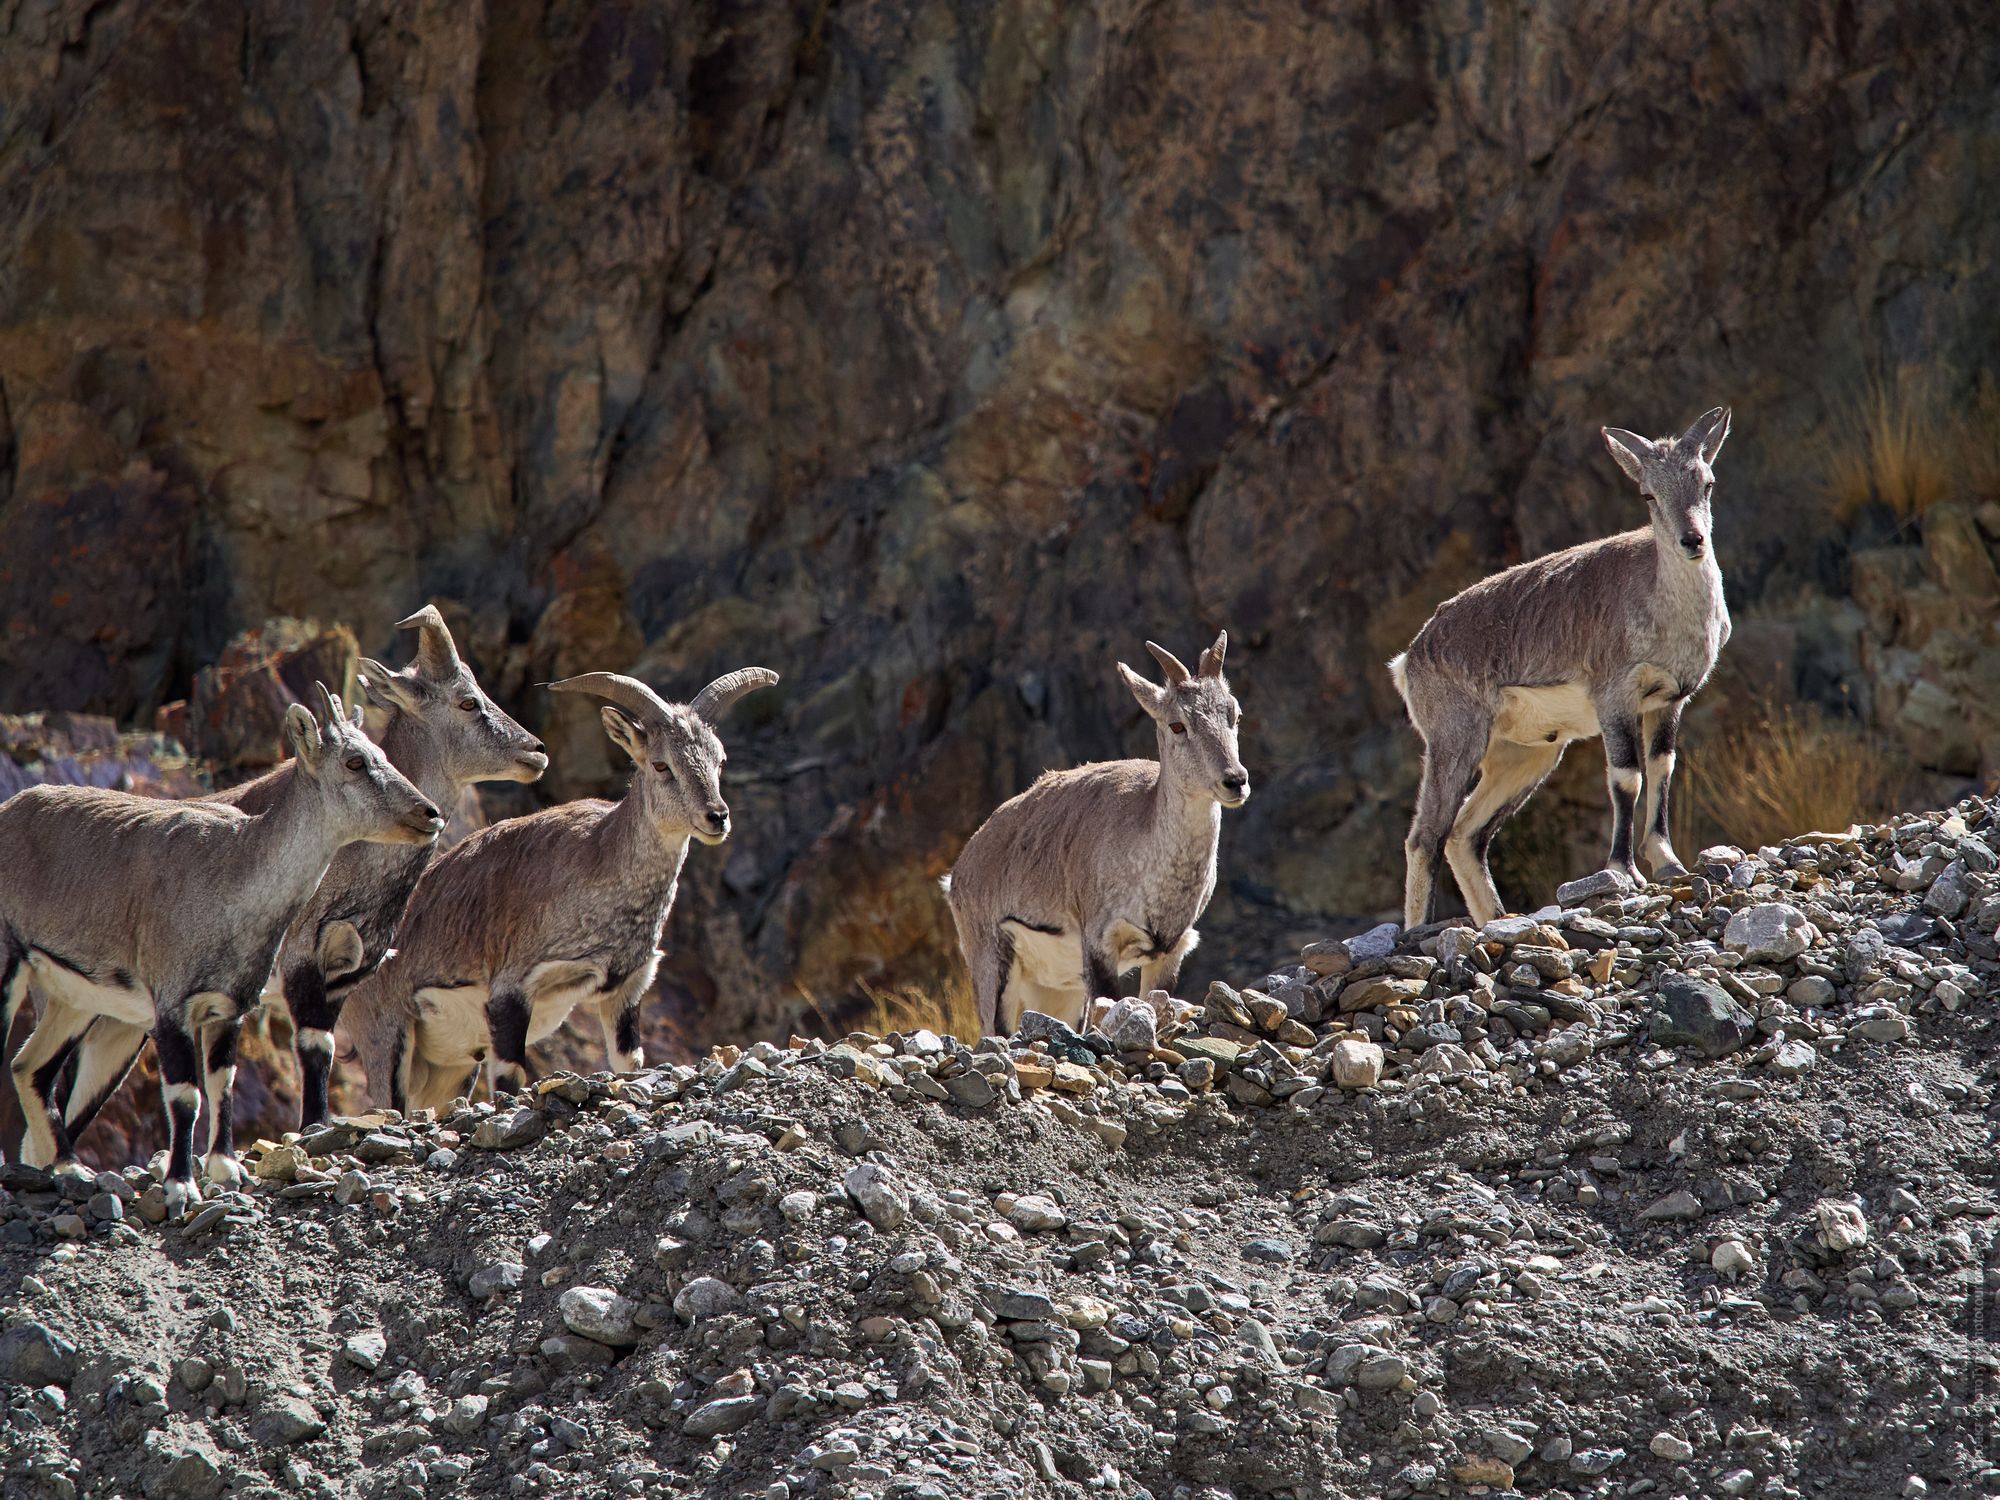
1681, 1192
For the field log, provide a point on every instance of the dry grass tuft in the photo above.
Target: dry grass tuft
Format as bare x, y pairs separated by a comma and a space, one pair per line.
1799, 771
1897, 449
905, 1009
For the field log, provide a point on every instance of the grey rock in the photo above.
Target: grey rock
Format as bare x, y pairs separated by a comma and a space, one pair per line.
285, 1420
970, 1090
500, 1276
1590, 887
1793, 1059
191, 1476
33, 1355
599, 1313
706, 1297
366, 1349
1679, 1204
713, 1418
1376, 942
875, 1191
1769, 932
1131, 1026
511, 1130
465, 1416
1695, 1013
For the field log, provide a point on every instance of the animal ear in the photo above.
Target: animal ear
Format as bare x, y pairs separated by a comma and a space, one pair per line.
1152, 697
625, 734
1629, 449
302, 734
1707, 434
354, 716
1211, 659
385, 689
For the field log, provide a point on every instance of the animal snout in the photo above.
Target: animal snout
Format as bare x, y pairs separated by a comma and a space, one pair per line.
426, 819
1236, 782
1692, 542
718, 819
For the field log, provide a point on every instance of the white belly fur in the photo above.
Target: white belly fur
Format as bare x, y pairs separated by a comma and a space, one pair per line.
452, 1029
1562, 711
1545, 715
1053, 960
121, 1002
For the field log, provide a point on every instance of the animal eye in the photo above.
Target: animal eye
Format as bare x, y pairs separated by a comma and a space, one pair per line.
1178, 728
660, 766
470, 705
355, 762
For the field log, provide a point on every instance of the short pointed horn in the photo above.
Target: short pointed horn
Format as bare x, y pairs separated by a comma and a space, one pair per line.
1702, 425
437, 653
1211, 659
1177, 673
628, 693
330, 712
714, 700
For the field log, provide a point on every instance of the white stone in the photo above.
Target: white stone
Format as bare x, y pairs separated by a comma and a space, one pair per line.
599, 1313
1357, 1064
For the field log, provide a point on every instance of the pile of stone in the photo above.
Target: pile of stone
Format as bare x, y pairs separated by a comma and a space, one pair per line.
1462, 1213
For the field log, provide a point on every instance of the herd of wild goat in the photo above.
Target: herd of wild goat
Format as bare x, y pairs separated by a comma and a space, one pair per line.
124, 918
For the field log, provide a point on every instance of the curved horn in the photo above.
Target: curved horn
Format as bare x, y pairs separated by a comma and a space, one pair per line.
1211, 659
1170, 664
713, 701
1698, 430
437, 653
629, 693
330, 713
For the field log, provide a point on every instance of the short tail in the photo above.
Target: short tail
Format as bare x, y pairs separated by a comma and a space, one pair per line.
944, 883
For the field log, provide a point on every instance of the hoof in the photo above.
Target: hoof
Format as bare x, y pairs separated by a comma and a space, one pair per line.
224, 1170
69, 1166
1670, 872
182, 1199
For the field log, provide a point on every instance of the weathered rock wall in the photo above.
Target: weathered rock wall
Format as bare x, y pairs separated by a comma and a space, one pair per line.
936, 354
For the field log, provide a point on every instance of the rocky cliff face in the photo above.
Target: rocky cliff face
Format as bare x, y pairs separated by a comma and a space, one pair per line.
936, 354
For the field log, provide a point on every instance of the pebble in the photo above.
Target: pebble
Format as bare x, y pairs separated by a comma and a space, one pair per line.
875, 1192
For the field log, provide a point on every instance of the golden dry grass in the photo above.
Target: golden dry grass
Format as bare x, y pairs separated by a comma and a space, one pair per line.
1897, 448
906, 1008
1905, 444
1798, 771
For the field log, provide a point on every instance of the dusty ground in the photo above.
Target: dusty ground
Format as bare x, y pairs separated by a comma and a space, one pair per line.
1577, 1258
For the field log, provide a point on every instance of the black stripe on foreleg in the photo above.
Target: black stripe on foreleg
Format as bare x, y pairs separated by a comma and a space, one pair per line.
1621, 753
180, 1061
314, 1014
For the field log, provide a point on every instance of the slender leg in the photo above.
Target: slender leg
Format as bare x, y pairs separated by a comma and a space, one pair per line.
314, 1014
180, 1063
991, 961
1101, 973
618, 1015
36, 1068
1452, 751
109, 1049
507, 1016
1662, 732
1508, 776
219, 1039
1622, 771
